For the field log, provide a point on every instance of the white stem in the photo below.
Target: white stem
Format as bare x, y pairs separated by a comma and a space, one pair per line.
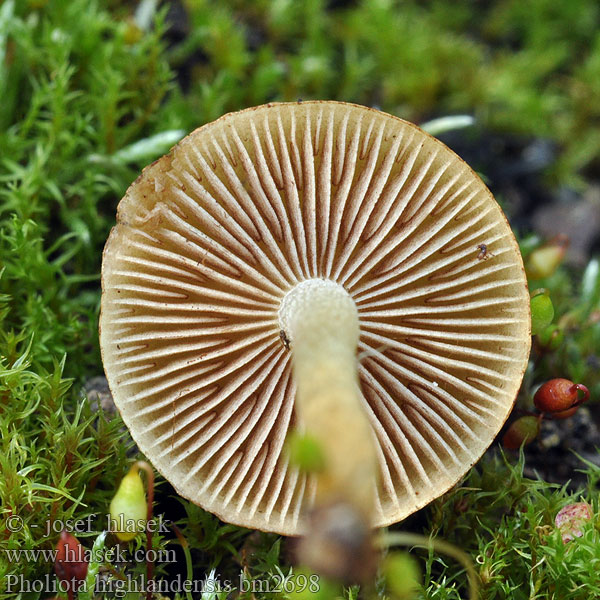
321, 321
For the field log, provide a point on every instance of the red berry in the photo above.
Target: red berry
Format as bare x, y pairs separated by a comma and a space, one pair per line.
71, 562
571, 520
522, 432
559, 395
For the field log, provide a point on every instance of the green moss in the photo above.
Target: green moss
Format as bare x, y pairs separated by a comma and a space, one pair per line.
506, 522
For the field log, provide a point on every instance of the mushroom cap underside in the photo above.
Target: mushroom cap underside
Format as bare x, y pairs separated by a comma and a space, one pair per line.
211, 237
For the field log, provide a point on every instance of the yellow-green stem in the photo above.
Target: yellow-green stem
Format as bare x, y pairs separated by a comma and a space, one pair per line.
321, 321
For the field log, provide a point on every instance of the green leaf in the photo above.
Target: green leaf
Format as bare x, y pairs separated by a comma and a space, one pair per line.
148, 148
590, 284
445, 124
97, 560
542, 313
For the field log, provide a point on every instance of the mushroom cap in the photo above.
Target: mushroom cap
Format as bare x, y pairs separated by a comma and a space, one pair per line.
211, 237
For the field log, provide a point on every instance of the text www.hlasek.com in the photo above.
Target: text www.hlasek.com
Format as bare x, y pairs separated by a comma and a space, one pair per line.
113, 555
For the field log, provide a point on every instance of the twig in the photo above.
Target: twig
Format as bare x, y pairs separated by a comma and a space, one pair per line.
400, 538
140, 464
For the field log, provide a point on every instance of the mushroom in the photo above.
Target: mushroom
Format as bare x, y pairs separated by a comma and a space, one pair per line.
318, 266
